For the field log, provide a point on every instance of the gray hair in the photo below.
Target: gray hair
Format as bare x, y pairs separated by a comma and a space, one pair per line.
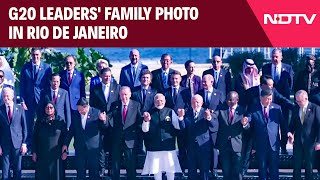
301, 93
102, 61
8, 90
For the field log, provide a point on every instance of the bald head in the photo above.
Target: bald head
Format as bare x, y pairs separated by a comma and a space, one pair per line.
196, 102
134, 56
232, 98
159, 101
207, 81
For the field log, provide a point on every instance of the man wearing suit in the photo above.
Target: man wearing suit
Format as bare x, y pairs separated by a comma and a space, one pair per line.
264, 120
229, 140
161, 77
13, 134
199, 145
129, 75
212, 98
222, 77
58, 96
125, 121
190, 80
34, 77
178, 97
101, 64
282, 75
101, 97
304, 127
85, 129
2, 85
73, 81
144, 95
252, 96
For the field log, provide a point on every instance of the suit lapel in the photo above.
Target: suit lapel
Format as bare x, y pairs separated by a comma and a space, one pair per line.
235, 115
14, 111
138, 70
307, 114
40, 71
100, 93
225, 113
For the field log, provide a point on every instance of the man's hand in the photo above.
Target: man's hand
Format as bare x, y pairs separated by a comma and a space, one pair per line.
317, 147
244, 121
290, 137
207, 114
24, 106
23, 149
181, 112
146, 116
1, 151
103, 116
64, 152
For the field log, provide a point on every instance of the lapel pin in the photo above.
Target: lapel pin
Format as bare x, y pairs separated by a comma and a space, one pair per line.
88, 116
149, 92
167, 118
112, 91
220, 75
214, 93
16, 109
58, 95
309, 109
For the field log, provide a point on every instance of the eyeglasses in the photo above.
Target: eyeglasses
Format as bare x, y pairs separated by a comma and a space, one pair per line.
68, 62
1, 76
49, 107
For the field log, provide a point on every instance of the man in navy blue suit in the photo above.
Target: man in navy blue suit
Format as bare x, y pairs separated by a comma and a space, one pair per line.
101, 64
34, 77
129, 75
190, 80
282, 75
264, 120
222, 77
3, 85
73, 81
13, 134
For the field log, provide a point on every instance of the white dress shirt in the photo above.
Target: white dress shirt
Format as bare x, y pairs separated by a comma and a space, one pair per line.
84, 120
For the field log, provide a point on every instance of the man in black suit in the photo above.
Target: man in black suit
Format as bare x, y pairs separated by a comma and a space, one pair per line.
161, 77
304, 127
212, 98
229, 140
178, 97
125, 119
222, 77
144, 95
282, 75
13, 135
85, 129
101, 97
265, 120
197, 123
58, 96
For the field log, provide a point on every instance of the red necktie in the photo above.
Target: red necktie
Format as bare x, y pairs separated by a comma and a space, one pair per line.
231, 115
9, 114
124, 113
70, 77
265, 114
54, 97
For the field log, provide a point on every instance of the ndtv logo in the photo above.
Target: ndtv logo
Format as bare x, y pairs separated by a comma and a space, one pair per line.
288, 18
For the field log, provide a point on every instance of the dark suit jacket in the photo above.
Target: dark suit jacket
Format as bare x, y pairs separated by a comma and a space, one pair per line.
266, 133
229, 132
62, 105
199, 128
285, 84
96, 80
302, 82
98, 100
197, 83
157, 79
77, 87
88, 138
125, 132
252, 96
4, 85
224, 82
216, 99
183, 100
148, 103
14, 133
308, 133
30, 86
126, 78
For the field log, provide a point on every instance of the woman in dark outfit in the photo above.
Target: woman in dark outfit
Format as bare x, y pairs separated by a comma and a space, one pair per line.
49, 133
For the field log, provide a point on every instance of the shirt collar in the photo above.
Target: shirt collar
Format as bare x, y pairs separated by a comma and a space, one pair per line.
197, 110
125, 104
234, 107
306, 106
10, 104
278, 66
263, 106
176, 88
217, 71
210, 90
38, 64
135, 66
85, 116
167, 71
146, 87
71, 71
54, 90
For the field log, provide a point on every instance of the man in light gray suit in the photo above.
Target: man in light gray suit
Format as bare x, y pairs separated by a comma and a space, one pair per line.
60, 97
